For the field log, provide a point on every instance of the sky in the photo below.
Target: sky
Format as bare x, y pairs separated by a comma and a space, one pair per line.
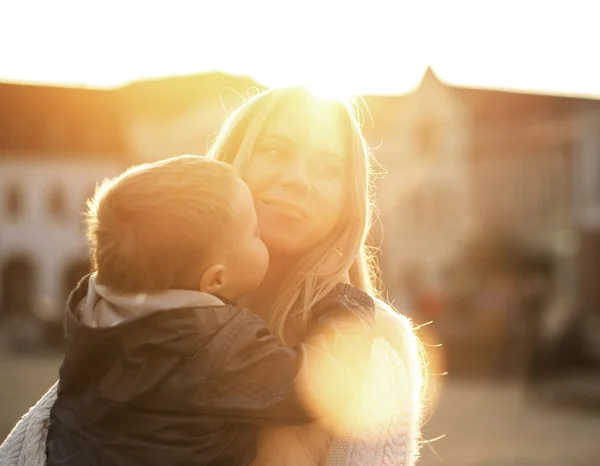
338, 46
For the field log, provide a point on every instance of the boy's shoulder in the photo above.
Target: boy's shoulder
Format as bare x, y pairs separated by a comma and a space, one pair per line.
202, 323
181, 330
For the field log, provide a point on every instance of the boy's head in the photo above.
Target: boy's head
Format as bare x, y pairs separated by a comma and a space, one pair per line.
182, 223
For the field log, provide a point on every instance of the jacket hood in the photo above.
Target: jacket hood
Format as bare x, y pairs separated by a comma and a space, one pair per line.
95, 305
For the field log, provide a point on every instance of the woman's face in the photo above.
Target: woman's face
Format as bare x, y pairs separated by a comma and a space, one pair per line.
297, 175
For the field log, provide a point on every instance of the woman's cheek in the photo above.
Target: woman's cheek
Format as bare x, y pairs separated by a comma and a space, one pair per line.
332, 196
256, 176
262, 174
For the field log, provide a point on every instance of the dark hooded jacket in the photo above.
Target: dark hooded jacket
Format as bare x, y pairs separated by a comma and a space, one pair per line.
183, 377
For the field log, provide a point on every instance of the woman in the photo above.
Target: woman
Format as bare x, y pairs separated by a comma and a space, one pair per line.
308, 167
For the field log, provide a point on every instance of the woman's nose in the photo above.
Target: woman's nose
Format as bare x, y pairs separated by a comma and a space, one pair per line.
295, 174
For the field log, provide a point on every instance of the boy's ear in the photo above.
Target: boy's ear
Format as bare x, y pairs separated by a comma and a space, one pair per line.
213, 279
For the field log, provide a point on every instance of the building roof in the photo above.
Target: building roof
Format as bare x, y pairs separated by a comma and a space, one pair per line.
489, 103
50, 119
79, 120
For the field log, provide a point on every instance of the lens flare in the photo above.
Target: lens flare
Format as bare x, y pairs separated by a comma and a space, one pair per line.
374, 398
329, 91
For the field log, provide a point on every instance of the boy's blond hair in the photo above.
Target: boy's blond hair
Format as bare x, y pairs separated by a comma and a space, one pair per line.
155, 226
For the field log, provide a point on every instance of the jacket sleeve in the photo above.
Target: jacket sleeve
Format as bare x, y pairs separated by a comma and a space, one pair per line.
257, 380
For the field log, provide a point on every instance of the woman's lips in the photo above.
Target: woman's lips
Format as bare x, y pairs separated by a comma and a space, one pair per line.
285, 208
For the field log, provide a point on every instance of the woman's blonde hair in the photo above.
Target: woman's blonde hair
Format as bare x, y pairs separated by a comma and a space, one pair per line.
300, 291
304, 285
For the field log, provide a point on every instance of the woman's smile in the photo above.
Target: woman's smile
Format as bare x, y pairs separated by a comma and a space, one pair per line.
284, 208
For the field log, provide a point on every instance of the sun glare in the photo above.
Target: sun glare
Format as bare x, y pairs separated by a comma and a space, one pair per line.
329, 90
375, 398
381, 48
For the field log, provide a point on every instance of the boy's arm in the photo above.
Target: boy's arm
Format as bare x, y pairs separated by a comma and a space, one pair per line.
260, 381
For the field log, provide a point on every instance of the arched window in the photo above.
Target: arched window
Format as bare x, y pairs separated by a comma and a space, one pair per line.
17, 282
14, 202
57, 202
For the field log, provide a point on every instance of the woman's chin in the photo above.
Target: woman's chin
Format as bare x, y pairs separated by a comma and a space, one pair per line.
284, 244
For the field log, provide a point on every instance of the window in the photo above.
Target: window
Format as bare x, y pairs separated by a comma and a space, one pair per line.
17, 286
57, 203
13, 201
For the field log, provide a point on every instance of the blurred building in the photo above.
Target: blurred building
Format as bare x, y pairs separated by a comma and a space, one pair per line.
55, 145
459, 162
179, 115
425, 199
587, 203
463, 161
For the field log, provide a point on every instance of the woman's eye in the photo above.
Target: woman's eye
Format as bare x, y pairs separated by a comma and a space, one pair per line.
328, 169
273, 153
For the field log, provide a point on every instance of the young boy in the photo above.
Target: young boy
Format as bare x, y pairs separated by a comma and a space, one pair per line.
160, 366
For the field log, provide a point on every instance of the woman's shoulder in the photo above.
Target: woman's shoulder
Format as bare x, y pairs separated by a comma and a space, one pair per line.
399, 334
390, 315
394, 326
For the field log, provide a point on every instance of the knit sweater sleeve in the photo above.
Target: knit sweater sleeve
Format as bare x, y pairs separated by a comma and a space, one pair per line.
26, 443
391, 394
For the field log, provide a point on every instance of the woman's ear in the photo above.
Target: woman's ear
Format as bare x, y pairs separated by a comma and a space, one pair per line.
213, 279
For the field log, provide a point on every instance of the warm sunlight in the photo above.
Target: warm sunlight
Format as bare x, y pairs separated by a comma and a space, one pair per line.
326, 90
324, 50
547, 47
341, 48
386, 232
376, 402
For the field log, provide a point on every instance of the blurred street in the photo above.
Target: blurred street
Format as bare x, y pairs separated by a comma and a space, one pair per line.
488, 425
484, 424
